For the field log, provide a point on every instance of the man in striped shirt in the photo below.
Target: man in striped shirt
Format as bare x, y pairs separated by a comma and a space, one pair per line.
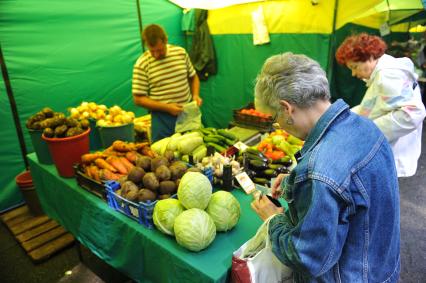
163, 80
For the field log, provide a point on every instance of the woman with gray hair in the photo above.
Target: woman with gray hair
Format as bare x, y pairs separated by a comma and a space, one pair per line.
342, 224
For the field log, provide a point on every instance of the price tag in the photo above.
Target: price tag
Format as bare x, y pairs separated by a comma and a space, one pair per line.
241, 146
245, 182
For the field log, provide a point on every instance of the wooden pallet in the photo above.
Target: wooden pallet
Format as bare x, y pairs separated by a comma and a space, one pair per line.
39, 236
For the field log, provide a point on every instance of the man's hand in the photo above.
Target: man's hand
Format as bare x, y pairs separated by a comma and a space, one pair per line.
198, 99
265, 208
276, 186
174, 109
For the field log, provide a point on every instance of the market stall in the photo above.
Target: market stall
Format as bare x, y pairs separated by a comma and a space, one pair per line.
139, 252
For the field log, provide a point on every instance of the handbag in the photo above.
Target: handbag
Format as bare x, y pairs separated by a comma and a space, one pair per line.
254, 261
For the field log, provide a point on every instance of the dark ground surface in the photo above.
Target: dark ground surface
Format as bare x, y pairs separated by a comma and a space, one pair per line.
17, 267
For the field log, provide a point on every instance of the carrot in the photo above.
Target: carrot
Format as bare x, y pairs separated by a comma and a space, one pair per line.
102, 164
116, 162
123, 146
132, 156
105, 174
140, 145
95, 172
146, 150
126, 163
90, 157
87, 171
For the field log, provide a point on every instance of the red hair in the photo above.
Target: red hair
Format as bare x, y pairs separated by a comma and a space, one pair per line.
359, 48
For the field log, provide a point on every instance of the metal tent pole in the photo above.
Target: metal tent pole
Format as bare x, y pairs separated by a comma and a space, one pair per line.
14, 109
140, 22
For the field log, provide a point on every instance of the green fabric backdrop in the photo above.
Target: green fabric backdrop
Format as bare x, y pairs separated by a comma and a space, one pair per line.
60, 53
239, 61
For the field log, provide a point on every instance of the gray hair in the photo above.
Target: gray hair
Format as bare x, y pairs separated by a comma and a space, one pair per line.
296, 79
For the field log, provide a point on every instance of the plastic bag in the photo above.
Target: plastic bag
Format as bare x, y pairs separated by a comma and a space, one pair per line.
254, 261
189, 119
260, 30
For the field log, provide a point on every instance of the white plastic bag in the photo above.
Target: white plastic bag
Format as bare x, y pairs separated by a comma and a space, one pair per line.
260, 30
254, 261
189, 119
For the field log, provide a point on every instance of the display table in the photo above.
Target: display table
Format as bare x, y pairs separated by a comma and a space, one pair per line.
144, 255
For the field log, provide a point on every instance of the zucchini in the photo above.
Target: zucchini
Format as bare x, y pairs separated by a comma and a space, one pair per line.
258, 165
270, 173
255, 157
284, 161
255, 152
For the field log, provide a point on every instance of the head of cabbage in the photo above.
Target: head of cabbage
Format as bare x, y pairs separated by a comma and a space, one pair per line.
224, 209
194, 229
165, 213
194, 190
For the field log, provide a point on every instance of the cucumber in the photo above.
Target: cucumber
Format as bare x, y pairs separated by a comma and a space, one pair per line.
262, 181
230, 142
226, 134
211, 139
217, 147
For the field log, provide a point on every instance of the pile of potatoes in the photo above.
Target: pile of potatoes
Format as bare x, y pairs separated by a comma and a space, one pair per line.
55, 124
152, 179
105, 117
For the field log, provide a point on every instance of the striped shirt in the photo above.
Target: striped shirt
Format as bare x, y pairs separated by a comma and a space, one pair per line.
164, 80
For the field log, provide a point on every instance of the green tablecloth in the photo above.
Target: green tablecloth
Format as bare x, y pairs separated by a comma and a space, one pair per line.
143, 254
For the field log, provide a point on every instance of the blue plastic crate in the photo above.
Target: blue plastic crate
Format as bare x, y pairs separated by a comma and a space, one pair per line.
140, 211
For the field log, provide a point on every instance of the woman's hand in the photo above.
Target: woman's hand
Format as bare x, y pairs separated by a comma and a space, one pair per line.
276, 186
265, 208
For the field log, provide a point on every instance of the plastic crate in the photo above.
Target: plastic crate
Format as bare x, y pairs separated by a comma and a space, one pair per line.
91, 185
252, 121
140, 211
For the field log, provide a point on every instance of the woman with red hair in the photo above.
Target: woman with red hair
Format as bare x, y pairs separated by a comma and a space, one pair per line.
393, 100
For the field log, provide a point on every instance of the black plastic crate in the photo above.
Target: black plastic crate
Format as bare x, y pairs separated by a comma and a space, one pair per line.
89, 184
242, 119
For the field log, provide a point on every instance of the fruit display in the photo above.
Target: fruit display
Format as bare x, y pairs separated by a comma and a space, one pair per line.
106, 117
55, 124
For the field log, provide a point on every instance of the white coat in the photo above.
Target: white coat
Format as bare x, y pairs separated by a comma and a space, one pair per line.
393, 101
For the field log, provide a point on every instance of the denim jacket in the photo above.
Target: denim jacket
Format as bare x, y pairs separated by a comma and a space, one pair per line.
343, 219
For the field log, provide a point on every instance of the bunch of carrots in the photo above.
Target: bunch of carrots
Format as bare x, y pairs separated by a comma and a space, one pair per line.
114, 162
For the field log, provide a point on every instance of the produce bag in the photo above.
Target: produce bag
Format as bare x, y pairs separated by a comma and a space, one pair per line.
254, 261
189, 119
